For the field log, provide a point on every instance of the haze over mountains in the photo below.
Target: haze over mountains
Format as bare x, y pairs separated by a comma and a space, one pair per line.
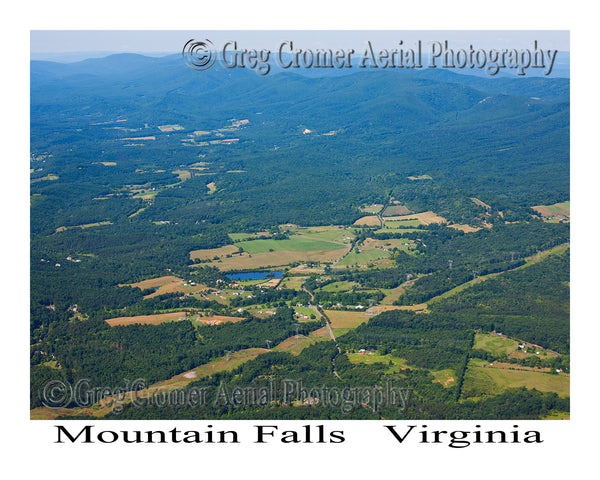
404, 121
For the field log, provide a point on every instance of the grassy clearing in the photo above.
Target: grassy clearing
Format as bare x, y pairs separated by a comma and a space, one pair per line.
393, 210
49, 177
495, 344
375, 208
363, 257
87, 225
338, 286
306, 270
418, 307
137, 212
369, 220
396, 230
167, 284
464, 228
169, 128
294, 283
420, 177
328, 234
562, 209
156, 319
395, 364
306, 311
396, 224
296, 243
216, 319
342, 319
146, 194
245, 261
295, 345
446, 377
149, 137
183, 175
476, 201
386, 245
391, 295
484, 380
106, 164
424, 218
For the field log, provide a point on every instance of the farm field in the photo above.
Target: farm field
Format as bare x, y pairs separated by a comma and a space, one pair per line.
342, 319
246, 261
562, 209
340, 235
374, 208
238, 237
388, 244
398, 224
83, 227
216, 319
155, 319
369, 221
338, 286
363, 257
296, 243
370, 358
394, 210
312, 245
166, 284
495, 344
293, 282
183, 175
377, 309
464, 228
306, 270
49, 177
424, 218
485, 380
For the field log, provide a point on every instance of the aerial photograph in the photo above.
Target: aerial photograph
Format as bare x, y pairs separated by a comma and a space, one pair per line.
300, 225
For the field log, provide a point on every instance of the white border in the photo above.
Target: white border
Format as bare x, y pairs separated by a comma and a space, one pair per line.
567, 444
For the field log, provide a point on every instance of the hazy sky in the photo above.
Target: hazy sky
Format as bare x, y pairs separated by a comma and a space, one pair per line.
168, 41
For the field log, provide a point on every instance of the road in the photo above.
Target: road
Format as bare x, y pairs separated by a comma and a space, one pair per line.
327, 324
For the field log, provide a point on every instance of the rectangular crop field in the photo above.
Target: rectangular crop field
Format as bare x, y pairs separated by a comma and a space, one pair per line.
296, 243
156, 319
346, 319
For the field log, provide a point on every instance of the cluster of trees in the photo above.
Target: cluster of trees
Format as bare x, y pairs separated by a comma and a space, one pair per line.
107, 355
530, 304
430, 341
